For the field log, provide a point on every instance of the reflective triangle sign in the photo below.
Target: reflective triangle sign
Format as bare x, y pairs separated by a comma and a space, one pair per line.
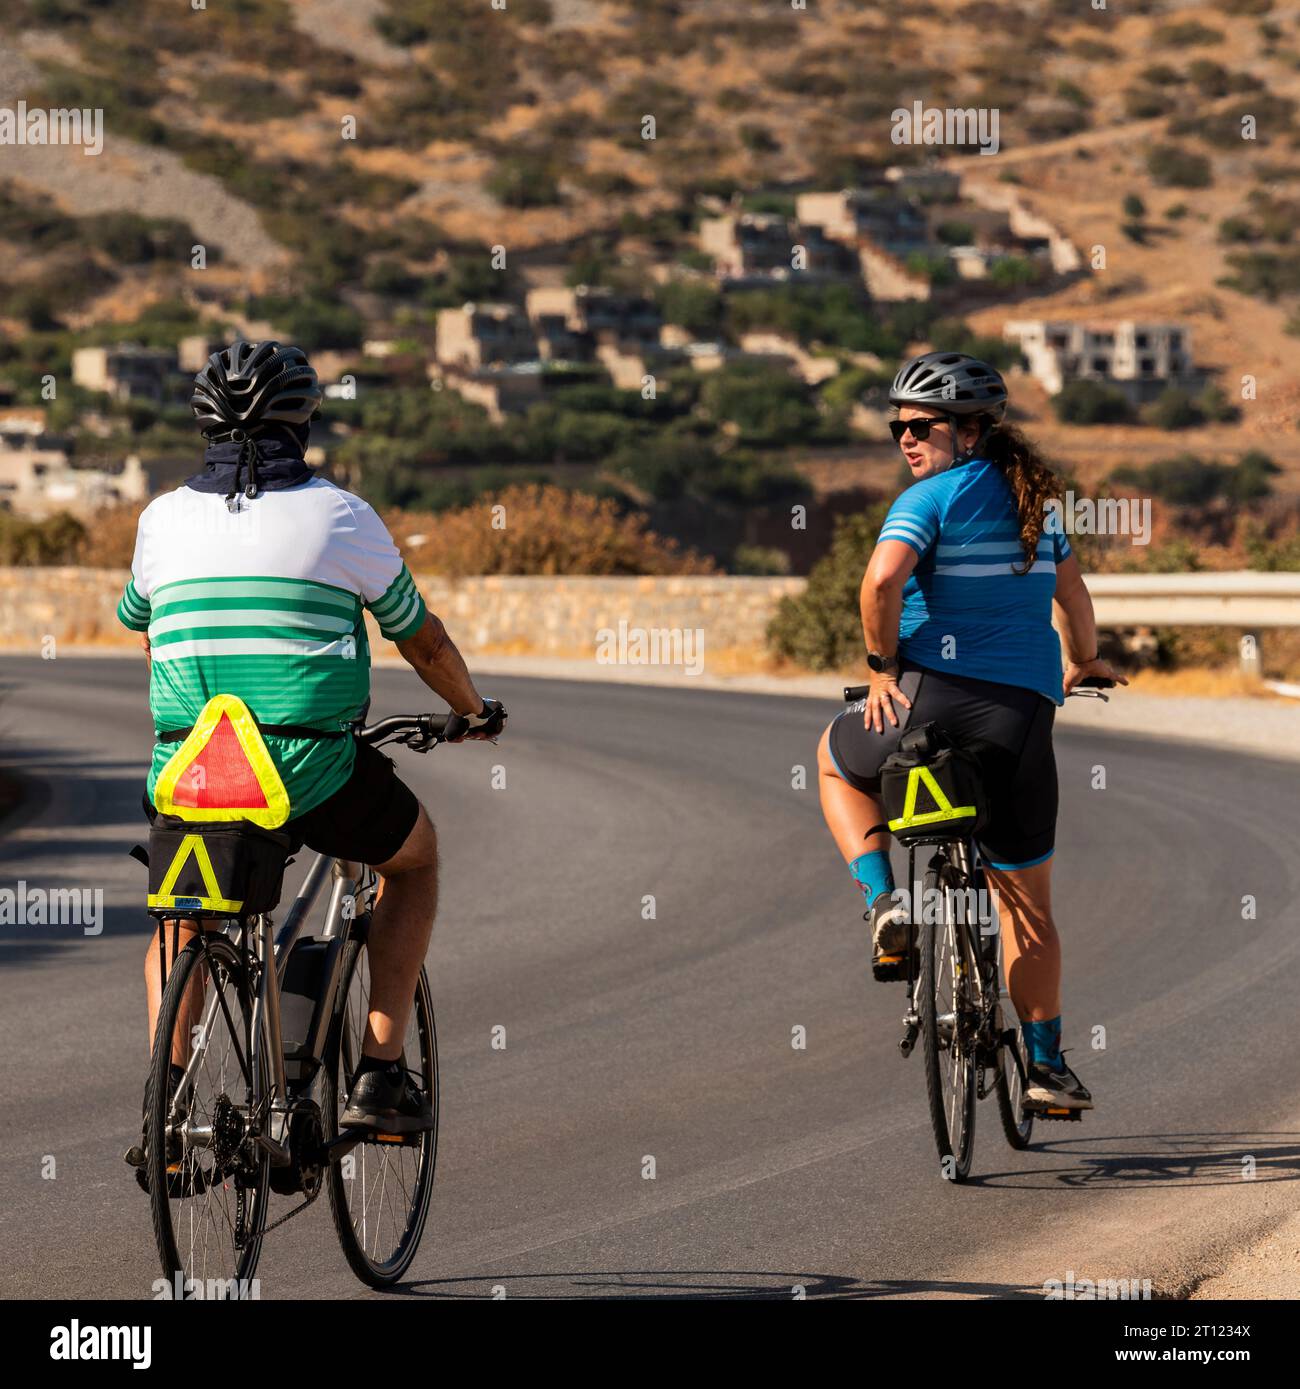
223, 770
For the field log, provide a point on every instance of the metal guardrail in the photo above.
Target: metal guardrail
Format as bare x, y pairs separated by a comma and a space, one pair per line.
1236, 599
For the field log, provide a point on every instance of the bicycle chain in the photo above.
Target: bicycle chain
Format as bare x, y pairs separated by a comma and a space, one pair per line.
297, 1210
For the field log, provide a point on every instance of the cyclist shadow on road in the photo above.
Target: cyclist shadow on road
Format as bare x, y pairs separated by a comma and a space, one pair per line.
1159, 1159
696, 1285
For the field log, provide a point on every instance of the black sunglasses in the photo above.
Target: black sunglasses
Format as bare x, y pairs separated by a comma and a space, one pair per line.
920, 428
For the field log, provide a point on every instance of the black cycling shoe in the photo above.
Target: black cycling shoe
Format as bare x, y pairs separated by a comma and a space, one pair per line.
891, 935
387, 1100
1053, 1091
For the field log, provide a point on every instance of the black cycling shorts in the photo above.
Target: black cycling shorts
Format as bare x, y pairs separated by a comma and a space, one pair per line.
367, 819
1009, 730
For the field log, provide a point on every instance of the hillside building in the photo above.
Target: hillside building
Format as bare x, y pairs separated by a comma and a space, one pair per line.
37, 478
1141, 359
483, 335
127, 372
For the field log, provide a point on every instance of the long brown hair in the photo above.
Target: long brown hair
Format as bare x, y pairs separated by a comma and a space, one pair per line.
1033, 484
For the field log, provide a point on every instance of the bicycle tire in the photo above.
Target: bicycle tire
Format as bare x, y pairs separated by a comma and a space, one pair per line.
954, 1156
162, 1183
373, 1271
1017, 1130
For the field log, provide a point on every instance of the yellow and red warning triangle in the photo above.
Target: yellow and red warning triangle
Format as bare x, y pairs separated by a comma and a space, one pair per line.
223, 770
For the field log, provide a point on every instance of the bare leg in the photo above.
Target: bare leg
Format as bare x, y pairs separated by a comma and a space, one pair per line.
1031, 948
399, 937
192, 1008
849, 813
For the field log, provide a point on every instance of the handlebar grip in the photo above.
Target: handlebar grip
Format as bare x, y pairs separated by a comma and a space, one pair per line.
853, 693
1096, 682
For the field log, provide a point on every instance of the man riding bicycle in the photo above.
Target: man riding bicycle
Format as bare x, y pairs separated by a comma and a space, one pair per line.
957, 606
249, 581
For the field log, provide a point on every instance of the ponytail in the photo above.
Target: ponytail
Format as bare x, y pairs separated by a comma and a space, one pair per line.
1033, 484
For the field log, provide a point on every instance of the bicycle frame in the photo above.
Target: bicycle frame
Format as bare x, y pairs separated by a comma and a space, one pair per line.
960, 855
352, 886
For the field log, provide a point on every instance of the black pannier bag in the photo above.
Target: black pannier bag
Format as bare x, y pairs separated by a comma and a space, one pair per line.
932, 788
216, 868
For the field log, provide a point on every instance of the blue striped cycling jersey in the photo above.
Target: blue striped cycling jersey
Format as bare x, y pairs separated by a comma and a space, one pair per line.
965, 610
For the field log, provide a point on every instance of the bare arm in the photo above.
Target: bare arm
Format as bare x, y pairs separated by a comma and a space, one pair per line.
881, 603
1074, 618
433, 656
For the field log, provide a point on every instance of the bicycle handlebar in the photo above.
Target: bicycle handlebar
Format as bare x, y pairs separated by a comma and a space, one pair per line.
418, 731
1092, 686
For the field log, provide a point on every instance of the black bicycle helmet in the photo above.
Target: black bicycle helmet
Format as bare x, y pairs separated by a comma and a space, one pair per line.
249, 386
951, 382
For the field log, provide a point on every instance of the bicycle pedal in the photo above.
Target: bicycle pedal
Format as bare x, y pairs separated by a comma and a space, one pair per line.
399, 1140
1063, 1115
891, 968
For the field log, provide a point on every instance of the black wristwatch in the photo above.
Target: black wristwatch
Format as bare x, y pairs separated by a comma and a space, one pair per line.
882, 665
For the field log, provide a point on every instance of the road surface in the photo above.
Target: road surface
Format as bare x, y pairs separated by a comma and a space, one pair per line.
776, 1168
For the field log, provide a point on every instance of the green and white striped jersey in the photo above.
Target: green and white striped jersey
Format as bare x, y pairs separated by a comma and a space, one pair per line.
266, 603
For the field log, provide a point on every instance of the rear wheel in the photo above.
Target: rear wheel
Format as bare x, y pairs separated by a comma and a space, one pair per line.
380, 1190
944, 1003
1016, 1125
208, 1180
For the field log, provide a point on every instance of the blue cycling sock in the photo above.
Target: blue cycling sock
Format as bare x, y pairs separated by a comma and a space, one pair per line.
1043, 1041
873, 873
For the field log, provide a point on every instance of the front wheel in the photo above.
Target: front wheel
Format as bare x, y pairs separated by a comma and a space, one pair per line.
944, 998
380, 1189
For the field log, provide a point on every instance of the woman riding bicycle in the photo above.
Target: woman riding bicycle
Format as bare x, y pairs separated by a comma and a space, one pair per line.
957, 606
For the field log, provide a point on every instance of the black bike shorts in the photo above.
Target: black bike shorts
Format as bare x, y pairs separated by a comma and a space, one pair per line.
1009, 730
367, 819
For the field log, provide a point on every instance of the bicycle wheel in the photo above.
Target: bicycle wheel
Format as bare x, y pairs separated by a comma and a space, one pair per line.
1016, 1125
380, 1190
947, 1014
208, 1180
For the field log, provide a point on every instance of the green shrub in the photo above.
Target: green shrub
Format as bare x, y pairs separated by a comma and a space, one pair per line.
759, 560
953, 233
691, 304
1237, 229
1173, 409
821, 629
1185, 34
524, 180
1134, 206
1017, 272
1267, 274
1188, 480
1146, 103
1091, 402
767, 405
1173, 167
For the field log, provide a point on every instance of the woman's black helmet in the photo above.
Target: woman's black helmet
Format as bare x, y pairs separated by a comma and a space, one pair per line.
950, 382
251, 385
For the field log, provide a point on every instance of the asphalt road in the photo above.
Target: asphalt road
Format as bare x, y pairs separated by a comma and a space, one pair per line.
775, 1168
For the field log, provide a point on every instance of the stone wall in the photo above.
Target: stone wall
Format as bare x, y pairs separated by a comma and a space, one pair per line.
525, 615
